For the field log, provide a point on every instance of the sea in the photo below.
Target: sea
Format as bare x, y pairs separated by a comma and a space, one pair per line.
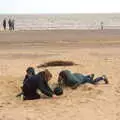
63, 21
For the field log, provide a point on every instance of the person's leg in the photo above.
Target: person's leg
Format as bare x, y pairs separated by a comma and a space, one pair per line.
104, 78
32, 96
18, 95
96, 80
13, 27
75, 86
89, 79
91, 76
4, 27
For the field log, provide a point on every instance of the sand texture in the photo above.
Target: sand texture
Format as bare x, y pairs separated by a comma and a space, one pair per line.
94, 51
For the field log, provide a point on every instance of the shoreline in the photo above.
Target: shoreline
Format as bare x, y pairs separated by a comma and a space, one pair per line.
90, 31
50, 29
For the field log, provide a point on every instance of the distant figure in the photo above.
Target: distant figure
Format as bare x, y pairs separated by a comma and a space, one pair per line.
13, 24
101, 25
4, 24
10, 24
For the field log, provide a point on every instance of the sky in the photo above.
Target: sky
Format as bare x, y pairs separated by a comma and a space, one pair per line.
59, 6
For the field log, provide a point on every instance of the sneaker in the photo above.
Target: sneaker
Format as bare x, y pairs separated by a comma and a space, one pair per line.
105, 79
22, 97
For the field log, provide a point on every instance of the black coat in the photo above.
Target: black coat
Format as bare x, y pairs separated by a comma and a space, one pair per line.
35, 82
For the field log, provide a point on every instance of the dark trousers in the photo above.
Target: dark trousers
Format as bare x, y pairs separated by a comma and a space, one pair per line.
93, 81
29, 94
32, 96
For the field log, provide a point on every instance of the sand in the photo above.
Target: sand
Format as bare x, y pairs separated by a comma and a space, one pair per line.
95, 51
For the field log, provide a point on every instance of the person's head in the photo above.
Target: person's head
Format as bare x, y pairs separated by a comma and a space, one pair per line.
58, 91
46, 74
61, 78
30, 71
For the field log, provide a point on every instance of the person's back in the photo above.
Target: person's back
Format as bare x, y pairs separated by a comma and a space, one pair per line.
31, 84
68, 78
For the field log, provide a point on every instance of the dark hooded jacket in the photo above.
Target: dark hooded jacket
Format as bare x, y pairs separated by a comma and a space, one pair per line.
35, 82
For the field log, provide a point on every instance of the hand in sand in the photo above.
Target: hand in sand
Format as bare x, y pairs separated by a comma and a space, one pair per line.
54, 96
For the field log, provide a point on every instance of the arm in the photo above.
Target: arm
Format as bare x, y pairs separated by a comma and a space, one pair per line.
48, 88
26, 77
44, 89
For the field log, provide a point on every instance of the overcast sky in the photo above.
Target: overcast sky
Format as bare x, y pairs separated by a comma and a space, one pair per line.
59, 6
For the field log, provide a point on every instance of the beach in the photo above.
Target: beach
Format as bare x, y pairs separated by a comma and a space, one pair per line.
62, 21
94, 51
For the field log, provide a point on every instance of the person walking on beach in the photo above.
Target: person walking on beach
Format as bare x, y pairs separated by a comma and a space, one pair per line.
75, 79
4, 24
13, 24
10, 24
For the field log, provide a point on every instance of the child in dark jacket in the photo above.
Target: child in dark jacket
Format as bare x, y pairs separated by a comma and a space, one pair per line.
30, 71
40, 82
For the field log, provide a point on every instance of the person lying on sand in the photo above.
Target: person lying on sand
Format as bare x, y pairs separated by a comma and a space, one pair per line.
75, 79
38, 81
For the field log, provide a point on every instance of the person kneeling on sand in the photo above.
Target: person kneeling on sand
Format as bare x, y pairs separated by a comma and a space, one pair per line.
38, 81
30, 71
75, 79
